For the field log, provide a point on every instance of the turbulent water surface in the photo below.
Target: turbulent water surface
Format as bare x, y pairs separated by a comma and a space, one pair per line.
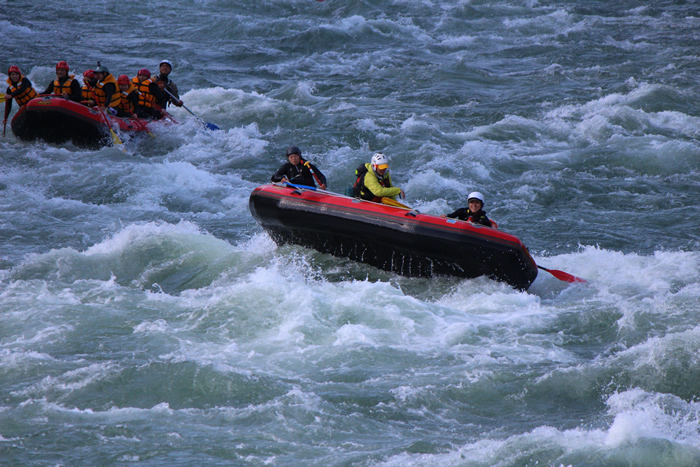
146, 318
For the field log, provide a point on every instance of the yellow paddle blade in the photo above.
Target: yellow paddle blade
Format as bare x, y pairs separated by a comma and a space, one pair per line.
2, 98
396, 204
115, 138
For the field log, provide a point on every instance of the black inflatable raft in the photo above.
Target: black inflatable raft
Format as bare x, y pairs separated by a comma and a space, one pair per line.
391, 238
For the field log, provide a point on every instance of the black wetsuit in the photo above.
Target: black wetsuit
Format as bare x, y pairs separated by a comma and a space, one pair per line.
298, 174
478, 217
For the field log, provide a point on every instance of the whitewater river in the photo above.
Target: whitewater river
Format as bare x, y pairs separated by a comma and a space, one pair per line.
146, 319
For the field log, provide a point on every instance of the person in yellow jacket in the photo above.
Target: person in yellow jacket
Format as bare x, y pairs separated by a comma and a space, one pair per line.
147, 106
64, 85
19, 88
374, 182
88, 89
129, 98
107, 90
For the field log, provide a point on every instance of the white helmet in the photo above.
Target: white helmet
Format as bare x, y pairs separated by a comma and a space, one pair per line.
379, 161
476, 195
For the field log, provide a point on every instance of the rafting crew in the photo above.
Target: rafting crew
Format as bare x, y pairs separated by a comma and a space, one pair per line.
19, 88
374, 181
101, 89
65, 85
299, 171
474, 213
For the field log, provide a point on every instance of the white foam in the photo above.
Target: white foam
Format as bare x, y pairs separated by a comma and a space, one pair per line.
639, 417
134, 234
71, 380
639, 414
149, 327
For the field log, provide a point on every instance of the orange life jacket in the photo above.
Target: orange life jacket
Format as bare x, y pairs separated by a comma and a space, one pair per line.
25, 96
125, 104
87, 95
146, 99
59, 88
100, 93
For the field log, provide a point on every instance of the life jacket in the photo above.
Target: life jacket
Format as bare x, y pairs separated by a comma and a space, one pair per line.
479, 217
146, 99
87, 94
25, 96
100, 93
358, 190
59, 88
124, 103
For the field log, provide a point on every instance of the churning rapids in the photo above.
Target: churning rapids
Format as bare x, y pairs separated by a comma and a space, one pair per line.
147, 318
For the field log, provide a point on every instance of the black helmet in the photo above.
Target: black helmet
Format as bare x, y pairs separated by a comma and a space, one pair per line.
101, 69
293, 150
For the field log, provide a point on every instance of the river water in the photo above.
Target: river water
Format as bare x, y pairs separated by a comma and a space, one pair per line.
147, 319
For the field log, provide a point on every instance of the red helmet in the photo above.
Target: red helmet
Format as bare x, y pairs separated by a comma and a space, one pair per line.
63, 65
90, 74
123, 79
14, 69
144, 71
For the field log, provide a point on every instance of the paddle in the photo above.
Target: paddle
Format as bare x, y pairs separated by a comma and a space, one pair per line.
318, 180
387, 201
4, 122
562, 276
396, 204
302, 187
207, 125
115, 138
162, 111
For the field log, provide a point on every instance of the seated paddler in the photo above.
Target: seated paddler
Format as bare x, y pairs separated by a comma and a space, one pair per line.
64, 85
374, 182
298, 171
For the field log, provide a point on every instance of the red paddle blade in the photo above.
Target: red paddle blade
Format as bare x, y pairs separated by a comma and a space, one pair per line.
562, 276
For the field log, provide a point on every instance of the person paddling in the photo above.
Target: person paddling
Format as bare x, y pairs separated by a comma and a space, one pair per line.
168, 89
147, 106
19, 88
474, 213
107, 90
129, 98
298, 171
374, 182
87, 91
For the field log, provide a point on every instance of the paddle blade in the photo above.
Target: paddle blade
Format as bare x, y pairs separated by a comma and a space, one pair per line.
211, 126
563, 276
2, 98
302, 187
115, 138
396, 204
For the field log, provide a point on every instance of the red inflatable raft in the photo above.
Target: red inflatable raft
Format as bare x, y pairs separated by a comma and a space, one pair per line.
391, 238
57, 120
